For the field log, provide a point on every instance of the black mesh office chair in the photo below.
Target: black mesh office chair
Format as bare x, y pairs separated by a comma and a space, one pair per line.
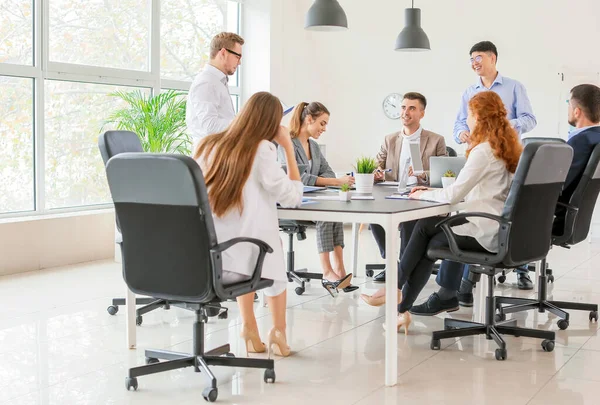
576, 225
111, 143
525, 230
451, 152
299, 276
170, 251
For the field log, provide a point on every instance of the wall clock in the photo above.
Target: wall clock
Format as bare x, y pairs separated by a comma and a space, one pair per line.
391, 106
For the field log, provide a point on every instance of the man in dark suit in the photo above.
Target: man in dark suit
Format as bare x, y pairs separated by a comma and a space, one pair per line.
584, 115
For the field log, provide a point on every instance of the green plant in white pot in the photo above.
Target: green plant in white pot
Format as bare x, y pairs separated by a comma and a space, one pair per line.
448, 178
159, 121
345, 192
364, 177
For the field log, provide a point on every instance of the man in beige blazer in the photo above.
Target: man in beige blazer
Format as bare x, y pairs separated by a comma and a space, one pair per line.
391, 156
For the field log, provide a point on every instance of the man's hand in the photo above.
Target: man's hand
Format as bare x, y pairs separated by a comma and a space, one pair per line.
464, 137
379, 174
422, 176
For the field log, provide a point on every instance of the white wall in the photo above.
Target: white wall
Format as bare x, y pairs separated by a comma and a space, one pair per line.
351, 72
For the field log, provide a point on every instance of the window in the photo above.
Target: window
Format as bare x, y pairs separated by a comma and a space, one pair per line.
16, 145
55, 86
16, 32
107, 33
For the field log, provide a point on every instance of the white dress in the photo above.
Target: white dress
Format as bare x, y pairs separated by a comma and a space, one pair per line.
267, 185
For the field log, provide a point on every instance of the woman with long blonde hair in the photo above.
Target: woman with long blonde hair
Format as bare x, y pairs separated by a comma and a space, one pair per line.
245, 182
484, 183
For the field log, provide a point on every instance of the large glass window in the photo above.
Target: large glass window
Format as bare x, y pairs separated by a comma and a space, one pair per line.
187, 26
16, 145
107, 33
57, 73
16, 32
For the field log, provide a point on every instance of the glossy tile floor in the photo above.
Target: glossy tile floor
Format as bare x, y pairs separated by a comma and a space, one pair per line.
58, 345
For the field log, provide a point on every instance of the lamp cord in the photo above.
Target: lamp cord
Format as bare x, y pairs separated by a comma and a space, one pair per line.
413, 3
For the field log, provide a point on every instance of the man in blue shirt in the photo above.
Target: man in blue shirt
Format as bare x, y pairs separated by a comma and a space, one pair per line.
484, 56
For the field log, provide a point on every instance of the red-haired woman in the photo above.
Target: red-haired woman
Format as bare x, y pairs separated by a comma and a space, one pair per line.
484, 182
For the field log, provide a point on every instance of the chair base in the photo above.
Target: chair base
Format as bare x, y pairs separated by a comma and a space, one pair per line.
454, 328
542, 304
370, 269
149, 305
302, 276
199, 360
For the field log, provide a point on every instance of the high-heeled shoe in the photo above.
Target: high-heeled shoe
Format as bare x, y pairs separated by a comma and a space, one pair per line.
377, 301
252, 341
278, 344
403, 320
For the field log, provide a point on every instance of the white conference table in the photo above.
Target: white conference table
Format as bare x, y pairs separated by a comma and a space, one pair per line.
385, 212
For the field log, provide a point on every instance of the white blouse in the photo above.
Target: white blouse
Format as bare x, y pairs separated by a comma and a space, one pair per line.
484, 182
267, 185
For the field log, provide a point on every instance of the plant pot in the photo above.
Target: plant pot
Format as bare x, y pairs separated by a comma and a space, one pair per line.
345, 196
448, 181
364, 182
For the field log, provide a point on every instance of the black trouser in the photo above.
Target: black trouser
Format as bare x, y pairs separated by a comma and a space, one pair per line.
406, 229
415, 267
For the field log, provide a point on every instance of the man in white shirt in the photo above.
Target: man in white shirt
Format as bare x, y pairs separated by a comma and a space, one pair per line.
209, 106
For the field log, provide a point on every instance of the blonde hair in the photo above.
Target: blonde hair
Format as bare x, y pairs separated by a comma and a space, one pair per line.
228, 156
224, 40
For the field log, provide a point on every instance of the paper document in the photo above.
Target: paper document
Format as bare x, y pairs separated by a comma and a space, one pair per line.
388, 183
336, 198
415, 157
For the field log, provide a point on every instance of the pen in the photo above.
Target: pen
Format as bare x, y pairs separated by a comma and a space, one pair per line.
350, 174
384, 170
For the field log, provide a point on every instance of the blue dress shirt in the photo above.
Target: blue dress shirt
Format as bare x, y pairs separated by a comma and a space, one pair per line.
515, 99
577, 131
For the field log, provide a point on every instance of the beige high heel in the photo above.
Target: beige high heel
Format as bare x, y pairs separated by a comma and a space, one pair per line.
377, 301
404, 320
278, 343
252, 341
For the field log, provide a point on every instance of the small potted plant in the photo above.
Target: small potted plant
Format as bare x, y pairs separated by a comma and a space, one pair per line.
448, 178
344, 192
364, 177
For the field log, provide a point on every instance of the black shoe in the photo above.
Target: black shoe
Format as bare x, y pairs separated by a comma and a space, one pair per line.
434, 305
380, 278
465, 299
524, 282
350, 288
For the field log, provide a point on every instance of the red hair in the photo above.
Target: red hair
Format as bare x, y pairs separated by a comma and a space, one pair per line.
493, 127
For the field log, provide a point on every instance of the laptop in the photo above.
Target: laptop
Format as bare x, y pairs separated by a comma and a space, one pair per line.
438, 165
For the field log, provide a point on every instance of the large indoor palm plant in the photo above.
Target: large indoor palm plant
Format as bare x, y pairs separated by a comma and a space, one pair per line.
159, 120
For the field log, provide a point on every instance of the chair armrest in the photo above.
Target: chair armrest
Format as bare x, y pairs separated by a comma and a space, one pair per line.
225, 292
503, 233
226, 245
568, 207
567, 233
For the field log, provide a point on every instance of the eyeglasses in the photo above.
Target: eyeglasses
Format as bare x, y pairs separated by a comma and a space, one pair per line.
477, 59
239, 55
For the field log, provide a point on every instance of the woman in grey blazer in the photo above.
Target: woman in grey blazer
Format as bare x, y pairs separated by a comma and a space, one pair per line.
310, 120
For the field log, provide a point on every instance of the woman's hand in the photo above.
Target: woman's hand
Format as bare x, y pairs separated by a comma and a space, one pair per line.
283, 138
349, 180
416, 192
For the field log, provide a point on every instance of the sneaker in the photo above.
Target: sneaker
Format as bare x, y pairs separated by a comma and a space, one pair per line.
465, 299
434, 305
524, 282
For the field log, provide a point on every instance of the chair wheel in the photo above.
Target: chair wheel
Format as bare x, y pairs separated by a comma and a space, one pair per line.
435, 344
269, 376
369, 273
500, 317
151, 360
112, 310
210, 394
139, 320
594, 316
551, 278
299, 290
501, 354
562, 324
131, 382
548, 345
502, 279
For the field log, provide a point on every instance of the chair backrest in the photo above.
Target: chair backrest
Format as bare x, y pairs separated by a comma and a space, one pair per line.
451, 152
162, 206
526, 141
532, 199
584, 199
111, 143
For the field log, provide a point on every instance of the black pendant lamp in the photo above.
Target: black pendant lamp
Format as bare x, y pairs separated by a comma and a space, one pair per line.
326, 15
412, 38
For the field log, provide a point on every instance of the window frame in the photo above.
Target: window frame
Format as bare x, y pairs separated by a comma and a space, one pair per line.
43, 70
